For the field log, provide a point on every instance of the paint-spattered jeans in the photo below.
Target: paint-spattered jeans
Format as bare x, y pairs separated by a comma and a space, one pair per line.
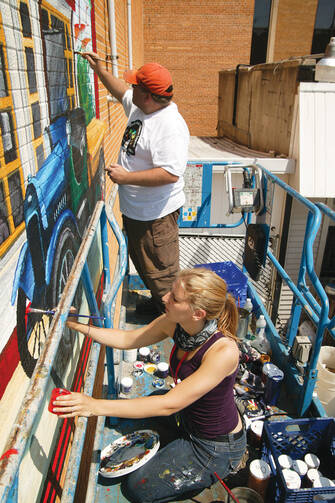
184, 466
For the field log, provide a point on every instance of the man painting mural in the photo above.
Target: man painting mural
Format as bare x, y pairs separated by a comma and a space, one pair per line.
149, 173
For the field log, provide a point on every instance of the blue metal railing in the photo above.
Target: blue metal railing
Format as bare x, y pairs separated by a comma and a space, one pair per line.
21, 434
303, 300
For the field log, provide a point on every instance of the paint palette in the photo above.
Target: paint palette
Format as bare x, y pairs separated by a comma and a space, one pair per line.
128, 453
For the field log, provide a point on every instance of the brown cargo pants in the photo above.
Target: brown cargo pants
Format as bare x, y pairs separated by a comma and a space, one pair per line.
154, 249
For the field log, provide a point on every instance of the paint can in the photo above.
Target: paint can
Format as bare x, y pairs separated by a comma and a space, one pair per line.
255, 433
323, 482
299, 466
311, 475
150, 368
158, 383
54, 394
144, 354
274, 377
285, 461
163, 370
130, 355
138, 368
292, 479
126, 384
155, 357
259, 476
311, 460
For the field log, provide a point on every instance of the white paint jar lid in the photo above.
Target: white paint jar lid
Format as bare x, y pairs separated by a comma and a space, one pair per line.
260, 469
257, 427
285, 461
291, 478
299, 466
126, 382
144, 351
323, 482
163, 366
311, 460
313, 474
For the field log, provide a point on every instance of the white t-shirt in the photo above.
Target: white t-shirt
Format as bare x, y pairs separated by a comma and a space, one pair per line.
151, 141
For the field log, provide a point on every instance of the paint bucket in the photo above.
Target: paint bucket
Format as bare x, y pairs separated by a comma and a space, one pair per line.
244, 495
144, 354
299, 466
255, 433
155, 357
325, 386
312, 475
259, 476
130, 355
274, 377
126, 384
163, 370
311, 460
54, 394
292, 479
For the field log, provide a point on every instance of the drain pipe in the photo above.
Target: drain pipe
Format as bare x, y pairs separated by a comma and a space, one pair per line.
112, 37
130, 36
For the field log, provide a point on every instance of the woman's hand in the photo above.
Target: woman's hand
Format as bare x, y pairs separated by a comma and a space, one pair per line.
72, 319
75, 404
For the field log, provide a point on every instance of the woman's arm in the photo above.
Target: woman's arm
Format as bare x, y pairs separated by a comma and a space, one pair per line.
156, 331
216, 365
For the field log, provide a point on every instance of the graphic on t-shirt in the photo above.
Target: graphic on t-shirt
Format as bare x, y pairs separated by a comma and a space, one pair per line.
131, 136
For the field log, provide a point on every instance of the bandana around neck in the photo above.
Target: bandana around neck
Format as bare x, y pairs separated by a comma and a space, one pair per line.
189, 342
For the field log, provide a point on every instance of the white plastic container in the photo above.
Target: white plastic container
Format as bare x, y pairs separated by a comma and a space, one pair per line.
261, 343
130, 355
260, 326
325, 386
126, 384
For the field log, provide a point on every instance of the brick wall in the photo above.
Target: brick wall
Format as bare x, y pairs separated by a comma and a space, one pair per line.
195, 40
294, 28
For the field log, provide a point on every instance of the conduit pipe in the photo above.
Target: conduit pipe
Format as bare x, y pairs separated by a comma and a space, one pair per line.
130, 36
112, 37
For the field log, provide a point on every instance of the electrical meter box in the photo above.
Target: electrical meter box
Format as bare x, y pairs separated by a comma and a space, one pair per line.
245, 199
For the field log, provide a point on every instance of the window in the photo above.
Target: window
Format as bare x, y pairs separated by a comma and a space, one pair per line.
260, 32
25, 20
8, 139
39, 155
31, 69
324, 27
35, 108
3, 81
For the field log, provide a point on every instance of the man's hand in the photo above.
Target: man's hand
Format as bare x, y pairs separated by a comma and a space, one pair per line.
93, 58
118, 174
146, 178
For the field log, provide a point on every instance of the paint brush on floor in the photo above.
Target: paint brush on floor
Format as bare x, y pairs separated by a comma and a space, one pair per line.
50, 311
98, 59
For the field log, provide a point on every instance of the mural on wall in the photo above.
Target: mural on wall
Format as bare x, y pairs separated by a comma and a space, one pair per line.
51, 169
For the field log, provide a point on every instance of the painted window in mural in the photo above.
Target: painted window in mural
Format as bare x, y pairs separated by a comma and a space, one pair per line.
3, 81
25, 20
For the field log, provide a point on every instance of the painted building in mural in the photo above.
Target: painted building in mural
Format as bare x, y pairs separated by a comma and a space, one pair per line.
51, 167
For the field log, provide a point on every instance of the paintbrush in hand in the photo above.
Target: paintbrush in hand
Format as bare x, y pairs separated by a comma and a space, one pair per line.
97, 59
50, 311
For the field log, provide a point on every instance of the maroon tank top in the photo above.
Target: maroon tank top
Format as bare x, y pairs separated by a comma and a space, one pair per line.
215, 413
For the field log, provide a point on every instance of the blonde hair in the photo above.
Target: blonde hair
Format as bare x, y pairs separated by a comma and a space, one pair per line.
206, 290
